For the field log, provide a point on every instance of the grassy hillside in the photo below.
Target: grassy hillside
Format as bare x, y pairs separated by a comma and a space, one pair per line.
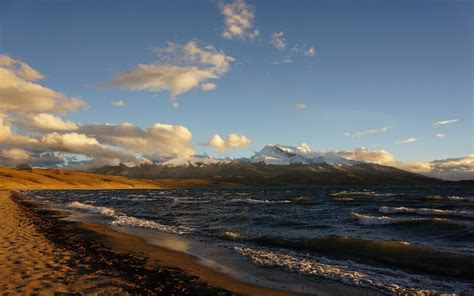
12, 178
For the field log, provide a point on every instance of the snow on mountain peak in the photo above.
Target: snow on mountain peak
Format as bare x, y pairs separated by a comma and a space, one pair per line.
285, 155
138, 163
195, 161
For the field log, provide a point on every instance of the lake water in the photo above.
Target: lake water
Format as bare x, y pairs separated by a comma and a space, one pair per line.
394, 239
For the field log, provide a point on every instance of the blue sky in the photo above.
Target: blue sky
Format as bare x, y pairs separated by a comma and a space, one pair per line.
402, 65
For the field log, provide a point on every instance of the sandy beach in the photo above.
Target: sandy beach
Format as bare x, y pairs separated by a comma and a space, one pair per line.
42, 255
32, 264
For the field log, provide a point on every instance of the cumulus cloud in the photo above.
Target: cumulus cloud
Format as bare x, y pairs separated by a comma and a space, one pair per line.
443, 122
406, 140
46, 122
232, 141
381, 157
157, 141
310, 52
20, 93
118, 103
208, 86
239, 20
460, 168
300, 106
440, 136
278, 40
185, 67
36, 134
7, 137
367, 132
82, 144
15, 154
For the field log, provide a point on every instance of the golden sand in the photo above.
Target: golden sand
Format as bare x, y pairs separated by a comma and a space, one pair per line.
30, 264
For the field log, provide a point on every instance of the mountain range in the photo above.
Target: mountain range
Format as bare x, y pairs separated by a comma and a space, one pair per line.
275, 165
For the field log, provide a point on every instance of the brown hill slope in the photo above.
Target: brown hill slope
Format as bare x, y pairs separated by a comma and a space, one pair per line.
13, 178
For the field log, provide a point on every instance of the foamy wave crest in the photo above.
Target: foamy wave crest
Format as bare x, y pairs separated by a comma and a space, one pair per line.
92, 209
427, 211
127, 221
394, 282
382, 220
366, 193
120, 219
260, 201
461, 198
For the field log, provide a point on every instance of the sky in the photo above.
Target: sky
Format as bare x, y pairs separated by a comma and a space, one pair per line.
392, 76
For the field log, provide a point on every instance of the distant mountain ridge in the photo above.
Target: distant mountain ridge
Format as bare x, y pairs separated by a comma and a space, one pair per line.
275, 165
285, 155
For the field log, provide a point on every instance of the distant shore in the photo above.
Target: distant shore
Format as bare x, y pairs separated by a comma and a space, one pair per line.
37, 179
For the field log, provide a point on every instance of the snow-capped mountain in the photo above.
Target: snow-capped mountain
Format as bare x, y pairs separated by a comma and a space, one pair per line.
195, 161
138, 163
285, 155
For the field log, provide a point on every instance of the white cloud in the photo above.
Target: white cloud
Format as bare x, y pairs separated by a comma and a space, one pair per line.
19, 92
46, 122
85, 145
278, 40
381, 157
186, 67
450, 168
239, 20
232, 141
118, 103
460, 168
300, 106
310, 52
19, 68
208, 86
367, 132
303, 50
443, 122
406, 140
440, 135
157, 141
7, 137
15, 154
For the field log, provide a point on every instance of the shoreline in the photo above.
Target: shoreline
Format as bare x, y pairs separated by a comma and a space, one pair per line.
142, 267
145, 268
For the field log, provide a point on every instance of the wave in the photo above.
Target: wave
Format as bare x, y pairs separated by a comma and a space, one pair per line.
349, 272
259, 201
365, 193
120, 219
461, 198
427, 211
109, 212
128, 221
233, 235
382, 220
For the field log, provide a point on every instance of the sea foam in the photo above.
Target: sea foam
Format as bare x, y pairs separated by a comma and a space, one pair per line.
349, 272
427, 211
120, 219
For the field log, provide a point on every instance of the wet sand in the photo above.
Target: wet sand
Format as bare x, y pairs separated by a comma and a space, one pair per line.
41, 253
31, 264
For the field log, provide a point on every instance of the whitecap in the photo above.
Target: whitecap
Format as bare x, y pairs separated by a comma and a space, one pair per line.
109, 212
427, 211
349, 272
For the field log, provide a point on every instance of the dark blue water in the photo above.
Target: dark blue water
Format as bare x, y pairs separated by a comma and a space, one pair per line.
369, 237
